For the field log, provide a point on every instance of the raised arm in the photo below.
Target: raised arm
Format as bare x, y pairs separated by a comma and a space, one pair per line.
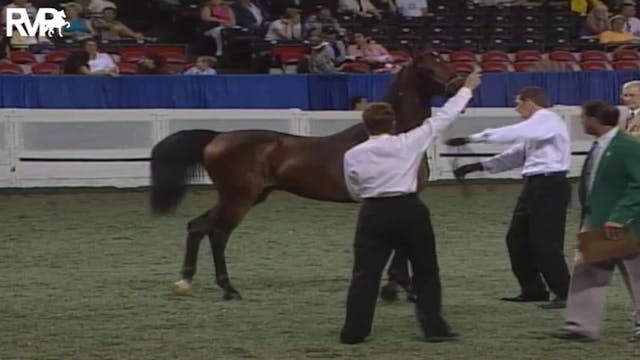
420, 138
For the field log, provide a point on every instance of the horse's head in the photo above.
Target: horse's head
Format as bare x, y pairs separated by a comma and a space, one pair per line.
435, 77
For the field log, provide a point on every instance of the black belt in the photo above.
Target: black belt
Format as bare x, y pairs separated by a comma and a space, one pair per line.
546, 174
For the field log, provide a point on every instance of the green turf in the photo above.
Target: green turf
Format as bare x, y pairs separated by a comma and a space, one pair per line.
86, 276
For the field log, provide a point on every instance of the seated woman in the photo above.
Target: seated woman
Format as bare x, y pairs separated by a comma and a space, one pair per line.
287, 28
153, 64
617, 34
364, 49
111, 29
79, 28
219, 16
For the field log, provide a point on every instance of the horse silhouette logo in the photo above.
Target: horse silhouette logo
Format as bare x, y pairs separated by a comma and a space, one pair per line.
56, 23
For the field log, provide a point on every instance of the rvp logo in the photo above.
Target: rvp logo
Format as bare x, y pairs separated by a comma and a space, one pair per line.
18, 20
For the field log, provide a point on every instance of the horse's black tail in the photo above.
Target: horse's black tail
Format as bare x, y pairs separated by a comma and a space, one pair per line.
173, 163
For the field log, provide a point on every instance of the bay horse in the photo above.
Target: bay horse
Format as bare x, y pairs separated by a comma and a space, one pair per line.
247, 165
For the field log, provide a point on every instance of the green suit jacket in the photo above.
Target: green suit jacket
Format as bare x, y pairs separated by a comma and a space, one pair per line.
615, 195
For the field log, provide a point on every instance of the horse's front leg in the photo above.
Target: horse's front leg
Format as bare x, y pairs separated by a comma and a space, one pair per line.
398, 276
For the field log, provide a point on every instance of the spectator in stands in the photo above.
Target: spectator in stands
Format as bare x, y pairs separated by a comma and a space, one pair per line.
358, 103
79, 28
248, 14
113, 30
364, 49
99, 63
77, 63
220, 16
24, 4
4, 52
319, 60
631, 22
287, 28
617, 33
336, 48
96, 7
320, 19
362, 8
204, 66
153, 64
412, 8
597, 20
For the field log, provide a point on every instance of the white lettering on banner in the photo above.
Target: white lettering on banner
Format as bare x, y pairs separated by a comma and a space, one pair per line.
18, 20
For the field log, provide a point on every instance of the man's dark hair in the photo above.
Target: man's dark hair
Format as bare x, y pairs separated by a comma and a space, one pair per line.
378, 118
606, 113
536, 94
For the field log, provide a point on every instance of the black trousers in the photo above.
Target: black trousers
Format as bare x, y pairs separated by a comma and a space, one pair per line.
383, 225
536, 235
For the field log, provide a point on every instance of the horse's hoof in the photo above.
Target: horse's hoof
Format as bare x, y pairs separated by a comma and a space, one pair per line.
411, 297
389, 293
180, 288
232, 295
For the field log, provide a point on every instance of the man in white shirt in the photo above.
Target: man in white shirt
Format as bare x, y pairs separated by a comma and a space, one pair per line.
535, 239
99, 63
382, 172
412, 8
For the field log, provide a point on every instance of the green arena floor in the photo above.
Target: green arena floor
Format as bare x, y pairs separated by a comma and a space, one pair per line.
87, 276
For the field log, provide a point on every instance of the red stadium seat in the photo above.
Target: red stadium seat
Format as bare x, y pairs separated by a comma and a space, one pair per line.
289, 54
12, 69
495, 56
461, 67
523, 65
562, 55
625, 54
594, 55
126, 68
57, 56
593, 65
528, 55
22, 57
626, 65
494, 66
46, 68
462, 55
174, 57
131, 56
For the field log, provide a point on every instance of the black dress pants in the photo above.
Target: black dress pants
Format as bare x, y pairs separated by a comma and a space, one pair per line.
383, 225
535, 239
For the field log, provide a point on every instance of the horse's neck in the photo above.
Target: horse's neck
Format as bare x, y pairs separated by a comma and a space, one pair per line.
406, 102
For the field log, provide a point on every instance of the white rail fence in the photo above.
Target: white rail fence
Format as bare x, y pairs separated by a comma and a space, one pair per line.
62, 148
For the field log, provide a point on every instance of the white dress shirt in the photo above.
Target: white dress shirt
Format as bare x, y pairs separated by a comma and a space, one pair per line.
102, 62
387, 165
601, 145
411, 8
542, 145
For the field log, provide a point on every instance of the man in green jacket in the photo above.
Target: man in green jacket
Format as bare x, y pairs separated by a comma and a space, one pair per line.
610, 197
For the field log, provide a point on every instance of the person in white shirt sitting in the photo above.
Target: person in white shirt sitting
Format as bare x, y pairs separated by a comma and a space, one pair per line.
412, 8
535, 240
99, 63
287, 28
204, 66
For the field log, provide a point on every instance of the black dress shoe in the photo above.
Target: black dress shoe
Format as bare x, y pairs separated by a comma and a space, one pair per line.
524, 297
446, 336
556, 303
350, 340
564, 334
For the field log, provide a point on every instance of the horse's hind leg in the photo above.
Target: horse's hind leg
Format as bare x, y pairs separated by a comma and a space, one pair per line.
398, 276
197, 229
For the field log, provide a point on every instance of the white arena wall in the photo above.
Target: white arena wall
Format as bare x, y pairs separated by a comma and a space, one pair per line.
95, 148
